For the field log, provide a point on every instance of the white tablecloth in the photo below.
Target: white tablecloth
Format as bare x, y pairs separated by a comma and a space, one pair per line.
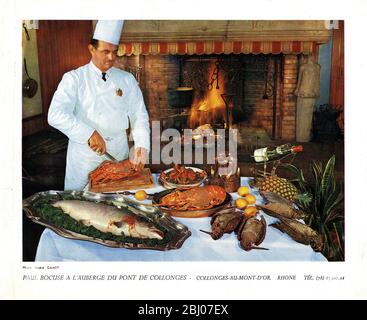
198, 247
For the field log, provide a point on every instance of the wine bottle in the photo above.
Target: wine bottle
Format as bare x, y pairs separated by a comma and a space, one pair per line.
270, 154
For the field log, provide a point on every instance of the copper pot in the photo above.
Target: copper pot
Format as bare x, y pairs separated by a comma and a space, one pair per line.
180, 97
30, 85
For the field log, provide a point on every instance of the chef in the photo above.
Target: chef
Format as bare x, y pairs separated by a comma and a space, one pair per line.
93, 105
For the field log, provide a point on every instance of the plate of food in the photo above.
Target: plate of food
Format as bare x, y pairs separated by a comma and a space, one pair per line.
182, 177
196, 202
111, 220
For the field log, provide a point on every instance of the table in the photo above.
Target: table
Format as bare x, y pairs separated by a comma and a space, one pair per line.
198, 247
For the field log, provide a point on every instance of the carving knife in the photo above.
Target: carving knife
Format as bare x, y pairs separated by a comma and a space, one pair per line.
110, 157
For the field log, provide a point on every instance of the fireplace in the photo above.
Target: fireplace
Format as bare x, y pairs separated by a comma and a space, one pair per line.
233, 90
257, 90
243, 73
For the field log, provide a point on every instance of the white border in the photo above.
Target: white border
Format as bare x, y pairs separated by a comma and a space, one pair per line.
354, 269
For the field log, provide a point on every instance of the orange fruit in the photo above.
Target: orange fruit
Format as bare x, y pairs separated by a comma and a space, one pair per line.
140, 195
241, 203
243, 190
250, 211
250, 198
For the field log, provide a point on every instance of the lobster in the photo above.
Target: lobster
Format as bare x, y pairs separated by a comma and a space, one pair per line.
109, 171
198, 198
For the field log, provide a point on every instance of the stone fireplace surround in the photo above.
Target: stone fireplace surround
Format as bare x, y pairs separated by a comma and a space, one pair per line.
158, 73
156, 57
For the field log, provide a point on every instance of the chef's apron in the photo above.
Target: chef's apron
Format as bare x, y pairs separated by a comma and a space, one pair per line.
107, 113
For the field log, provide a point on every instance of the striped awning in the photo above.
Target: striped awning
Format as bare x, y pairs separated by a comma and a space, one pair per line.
216, 47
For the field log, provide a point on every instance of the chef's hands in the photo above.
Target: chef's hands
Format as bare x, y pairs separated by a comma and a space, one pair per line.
97, 143
139, 158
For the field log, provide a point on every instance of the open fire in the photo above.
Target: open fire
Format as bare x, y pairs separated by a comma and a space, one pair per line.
211, 108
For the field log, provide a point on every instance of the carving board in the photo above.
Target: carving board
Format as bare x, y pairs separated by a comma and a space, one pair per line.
143, 181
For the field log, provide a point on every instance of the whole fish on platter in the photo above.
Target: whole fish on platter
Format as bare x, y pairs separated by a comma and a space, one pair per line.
108, 218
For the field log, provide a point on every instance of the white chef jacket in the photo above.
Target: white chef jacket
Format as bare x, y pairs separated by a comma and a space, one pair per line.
84, 102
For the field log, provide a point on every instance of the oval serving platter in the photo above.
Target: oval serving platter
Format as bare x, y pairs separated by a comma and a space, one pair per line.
190, 213
178, 232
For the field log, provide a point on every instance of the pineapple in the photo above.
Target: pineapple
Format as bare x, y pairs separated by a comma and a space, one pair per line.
278, 185
282, 187
271, 182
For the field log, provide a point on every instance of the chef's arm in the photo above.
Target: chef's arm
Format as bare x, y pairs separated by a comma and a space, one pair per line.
61, 112
139, 118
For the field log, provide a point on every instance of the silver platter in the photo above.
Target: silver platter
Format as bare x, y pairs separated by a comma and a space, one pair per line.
179, 232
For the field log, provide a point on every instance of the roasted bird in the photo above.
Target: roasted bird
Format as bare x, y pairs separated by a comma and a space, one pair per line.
251, 233
277, 206
225, 221
300, 232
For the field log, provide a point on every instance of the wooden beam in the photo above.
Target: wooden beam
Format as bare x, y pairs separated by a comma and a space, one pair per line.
242, 30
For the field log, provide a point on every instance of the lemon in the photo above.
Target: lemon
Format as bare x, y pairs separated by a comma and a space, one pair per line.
241, 203
250, 211
140, 195
243, 190
250, 198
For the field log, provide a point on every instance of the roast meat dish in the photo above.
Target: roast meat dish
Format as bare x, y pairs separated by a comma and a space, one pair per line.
111, 171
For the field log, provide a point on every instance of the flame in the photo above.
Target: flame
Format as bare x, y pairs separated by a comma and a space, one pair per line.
210, 109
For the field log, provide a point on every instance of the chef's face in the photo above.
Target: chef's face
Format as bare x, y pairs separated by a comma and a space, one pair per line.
104, 55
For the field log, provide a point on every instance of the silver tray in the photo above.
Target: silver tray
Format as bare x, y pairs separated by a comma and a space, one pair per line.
178, 231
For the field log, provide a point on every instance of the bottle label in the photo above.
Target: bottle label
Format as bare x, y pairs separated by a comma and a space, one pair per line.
279, 150
260, 155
